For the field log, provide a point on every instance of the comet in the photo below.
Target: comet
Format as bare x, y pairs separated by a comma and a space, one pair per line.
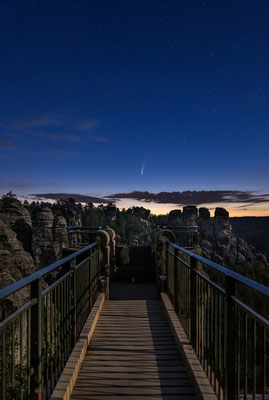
142, 170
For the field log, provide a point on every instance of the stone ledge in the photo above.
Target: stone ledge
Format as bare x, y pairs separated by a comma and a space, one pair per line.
202, 385
70, 373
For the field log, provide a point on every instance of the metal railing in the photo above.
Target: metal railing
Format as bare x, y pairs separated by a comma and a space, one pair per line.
80, 236
218, 311
37, 339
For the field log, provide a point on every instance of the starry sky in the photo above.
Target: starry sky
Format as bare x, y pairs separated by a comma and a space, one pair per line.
109, 97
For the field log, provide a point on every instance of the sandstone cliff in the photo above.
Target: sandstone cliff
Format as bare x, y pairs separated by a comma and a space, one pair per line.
217, 239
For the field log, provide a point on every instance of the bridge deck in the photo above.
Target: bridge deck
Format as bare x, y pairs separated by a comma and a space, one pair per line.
133, 354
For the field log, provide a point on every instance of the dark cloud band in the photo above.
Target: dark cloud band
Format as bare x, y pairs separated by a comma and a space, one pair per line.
195, 197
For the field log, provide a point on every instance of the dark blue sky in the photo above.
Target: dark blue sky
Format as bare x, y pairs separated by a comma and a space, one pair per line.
91, 91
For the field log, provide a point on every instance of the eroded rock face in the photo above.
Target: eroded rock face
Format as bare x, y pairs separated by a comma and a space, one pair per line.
217, 239
49, 237
74, 218
190, 215
219, 243
17, 218
175, 219
60, 236
42, 243
15, 264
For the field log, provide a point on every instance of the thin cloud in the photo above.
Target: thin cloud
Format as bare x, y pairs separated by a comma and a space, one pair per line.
38, 122
88, 125
195, 197
64, 138
5, 144
99, 139
16, 185
75, 196
59, 152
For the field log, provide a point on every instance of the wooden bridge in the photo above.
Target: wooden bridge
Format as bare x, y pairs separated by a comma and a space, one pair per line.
190, 332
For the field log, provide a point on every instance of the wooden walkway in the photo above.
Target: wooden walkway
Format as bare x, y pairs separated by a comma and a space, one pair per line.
133, 355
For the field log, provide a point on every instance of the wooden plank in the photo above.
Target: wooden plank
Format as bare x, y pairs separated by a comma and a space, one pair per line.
134, 347
89, 361
132, 341
84, 373
109, 390
84, 382
138, 397
133, 354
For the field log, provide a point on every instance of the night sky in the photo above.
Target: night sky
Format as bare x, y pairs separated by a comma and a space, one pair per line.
107, 97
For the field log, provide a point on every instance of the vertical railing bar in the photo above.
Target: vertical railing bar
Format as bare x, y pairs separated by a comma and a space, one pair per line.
65, 320
211, 335
193, 264
230, 339
47, 341
51, 339
204, 325
214, 337
90, 271
176, 281
74, 301
198, 317
13, 357
62, 323
36, 338
21, 355
4, 364
28, 352
218, 342
207, 328
238, 348
264, 361
56, 333
246, 355
254, 357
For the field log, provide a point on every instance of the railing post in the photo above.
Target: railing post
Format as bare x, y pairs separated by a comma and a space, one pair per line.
36, 340
166, 258
229, 340
74, 311
176, 299
193, 301
90, 275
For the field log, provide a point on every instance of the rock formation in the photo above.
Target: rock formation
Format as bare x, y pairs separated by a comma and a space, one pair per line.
49, 237
15, 264
17, 218
217, 239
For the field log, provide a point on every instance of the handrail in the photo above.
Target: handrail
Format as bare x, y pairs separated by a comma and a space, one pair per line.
227, 272
37, 338
223, 322
14, 287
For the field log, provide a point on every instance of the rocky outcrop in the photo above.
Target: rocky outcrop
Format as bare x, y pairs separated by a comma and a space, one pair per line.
15, 264
217, 239
42, 243
220, 244
74, 218
49, 237
190, 215
60, 236
17, 218
139, 212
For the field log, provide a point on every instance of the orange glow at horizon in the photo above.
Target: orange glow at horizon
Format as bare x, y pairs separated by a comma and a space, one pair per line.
234, 209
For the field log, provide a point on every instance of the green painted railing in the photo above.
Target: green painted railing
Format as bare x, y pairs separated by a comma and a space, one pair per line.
37, 339
218, 311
